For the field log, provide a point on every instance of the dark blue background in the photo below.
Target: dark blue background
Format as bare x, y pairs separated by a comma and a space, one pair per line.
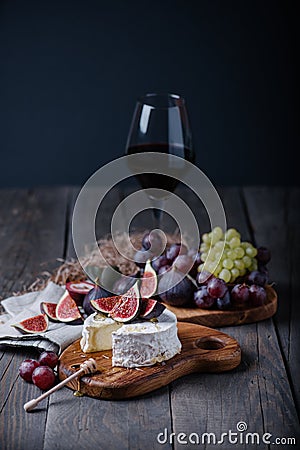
71, 71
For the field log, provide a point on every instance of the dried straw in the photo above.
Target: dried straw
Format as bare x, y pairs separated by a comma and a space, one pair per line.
71, 270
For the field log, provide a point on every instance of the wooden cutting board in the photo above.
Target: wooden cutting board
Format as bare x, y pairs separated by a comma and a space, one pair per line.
217, 318
203, 350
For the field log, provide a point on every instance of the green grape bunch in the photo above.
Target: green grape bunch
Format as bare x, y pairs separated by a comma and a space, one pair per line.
225, 255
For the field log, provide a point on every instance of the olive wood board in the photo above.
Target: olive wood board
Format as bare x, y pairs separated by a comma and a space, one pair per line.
203, 350
217, 318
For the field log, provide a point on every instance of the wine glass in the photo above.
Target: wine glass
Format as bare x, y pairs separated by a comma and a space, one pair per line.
160, 124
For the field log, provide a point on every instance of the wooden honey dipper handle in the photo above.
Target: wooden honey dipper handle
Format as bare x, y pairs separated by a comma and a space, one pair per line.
88, 366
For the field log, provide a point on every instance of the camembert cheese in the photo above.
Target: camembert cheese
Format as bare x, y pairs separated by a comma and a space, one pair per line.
96, 333
140, 343
146, 343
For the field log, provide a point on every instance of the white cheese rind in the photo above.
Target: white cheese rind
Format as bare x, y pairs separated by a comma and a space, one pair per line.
97, 333
146, 343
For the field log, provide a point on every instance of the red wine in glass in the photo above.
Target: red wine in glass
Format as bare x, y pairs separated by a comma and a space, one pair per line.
160, 124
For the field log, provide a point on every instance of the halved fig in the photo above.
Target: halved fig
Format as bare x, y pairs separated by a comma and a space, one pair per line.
148, 281
33, 325
78, 290
66, 309
96, 293
106, 304
50, 310
129, 306
150, 308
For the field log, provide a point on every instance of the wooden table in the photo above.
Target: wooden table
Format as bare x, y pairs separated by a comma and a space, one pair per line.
263, 391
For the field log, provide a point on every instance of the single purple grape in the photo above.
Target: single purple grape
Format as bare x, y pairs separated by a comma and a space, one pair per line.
240, 295
263, 255
159, 262
257, 277
26, 369
175, 250
202, 298
257, 294
49, 359
216, 287
43, 377
263, 269
224, 302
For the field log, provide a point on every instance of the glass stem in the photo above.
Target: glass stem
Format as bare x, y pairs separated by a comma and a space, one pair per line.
157, 213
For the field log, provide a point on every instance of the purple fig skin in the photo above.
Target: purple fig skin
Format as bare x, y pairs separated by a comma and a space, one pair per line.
122, 285
96, 292
151, 308
179, 295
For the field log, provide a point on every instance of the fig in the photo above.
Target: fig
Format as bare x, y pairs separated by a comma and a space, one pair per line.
78, 290
148, 282
129, 306
67, 310
93, 294
174, 290
123, 284
50, 310
106, 305
33, 325
150, 308
109, 276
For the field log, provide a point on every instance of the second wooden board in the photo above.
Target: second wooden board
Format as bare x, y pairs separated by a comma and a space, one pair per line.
217, 318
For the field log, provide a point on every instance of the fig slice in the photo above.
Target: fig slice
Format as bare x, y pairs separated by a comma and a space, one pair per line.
66, 309
128, 307
148, 281
33, 325
78, 290
50, 310
150, 308
106, 304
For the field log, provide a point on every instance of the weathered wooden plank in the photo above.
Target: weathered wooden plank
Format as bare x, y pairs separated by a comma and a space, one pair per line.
30, 225
213, 403
294, 251
19, 430
101, 424
105, 424
32, 235
208, 403
275, 219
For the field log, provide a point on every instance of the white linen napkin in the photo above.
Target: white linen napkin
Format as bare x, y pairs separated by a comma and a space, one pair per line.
56, 338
